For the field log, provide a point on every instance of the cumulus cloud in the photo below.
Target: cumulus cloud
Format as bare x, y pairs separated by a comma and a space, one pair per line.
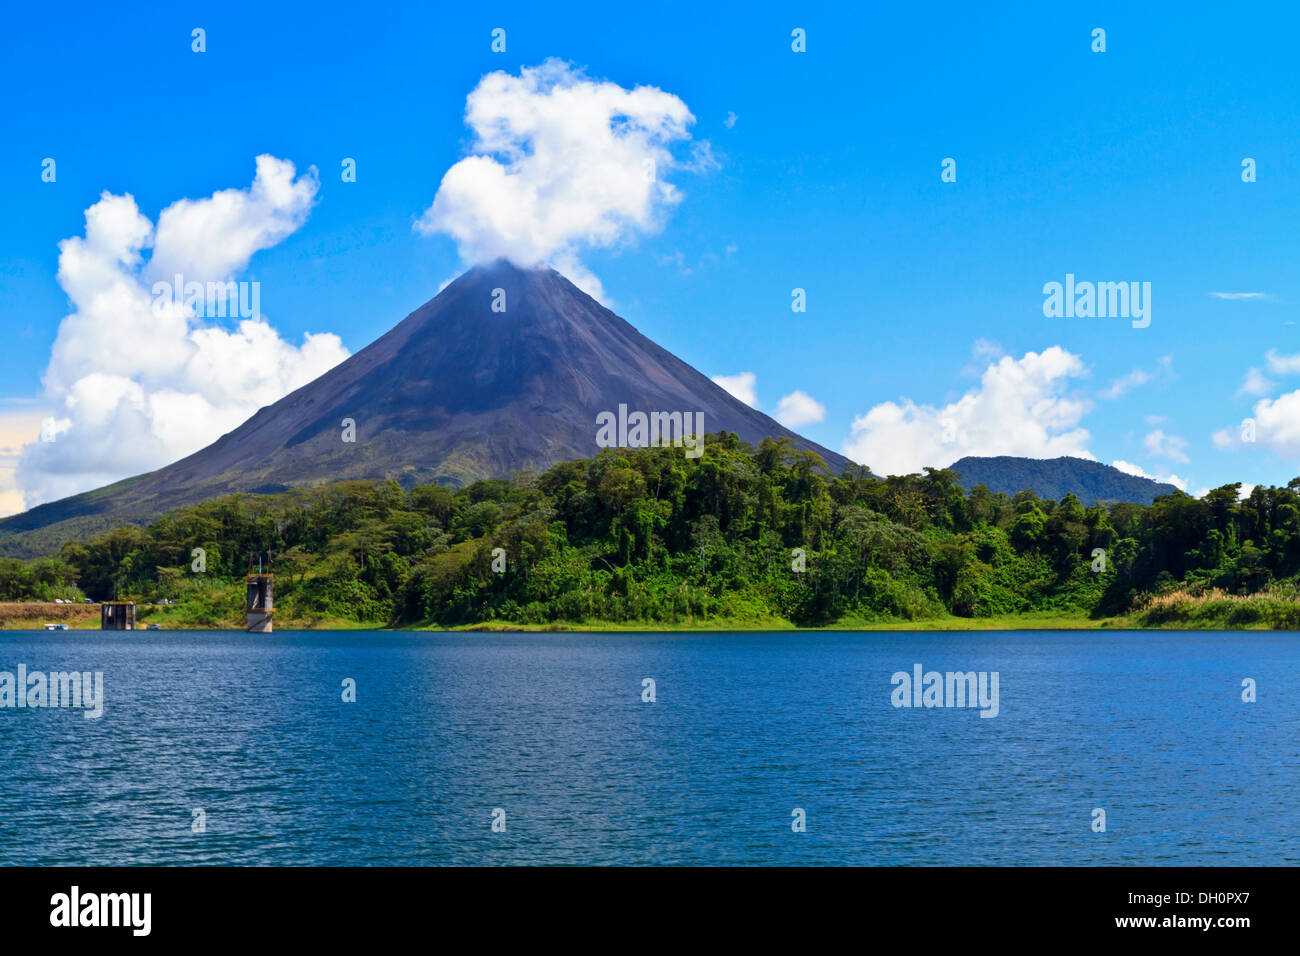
1256, 383
560, 162
742, 386
1021, 407
793, 410
1276, 426
1131, 469
1160, 445
1121, 386
1280, 364
799, 408
138, 380
215, 237
983, 352
1126, 383
17, 426
1242, 494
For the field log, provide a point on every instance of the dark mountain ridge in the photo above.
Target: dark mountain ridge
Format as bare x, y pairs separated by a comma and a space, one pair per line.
1054, 478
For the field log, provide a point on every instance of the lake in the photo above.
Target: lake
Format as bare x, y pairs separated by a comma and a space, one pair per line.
225, 748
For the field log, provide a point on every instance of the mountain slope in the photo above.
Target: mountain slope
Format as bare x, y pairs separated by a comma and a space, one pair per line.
453, 393
1054, 478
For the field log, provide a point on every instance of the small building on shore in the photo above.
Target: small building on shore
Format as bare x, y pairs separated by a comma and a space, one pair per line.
260, 603
117, 616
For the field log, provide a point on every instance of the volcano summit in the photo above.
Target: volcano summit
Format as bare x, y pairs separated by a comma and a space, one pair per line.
457, 391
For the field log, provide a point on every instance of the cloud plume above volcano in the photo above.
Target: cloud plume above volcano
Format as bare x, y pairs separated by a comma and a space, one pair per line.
561, 162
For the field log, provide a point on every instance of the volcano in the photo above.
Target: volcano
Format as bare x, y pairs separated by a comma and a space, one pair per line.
505, 370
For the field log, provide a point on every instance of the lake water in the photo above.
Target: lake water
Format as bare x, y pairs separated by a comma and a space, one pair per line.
744, 730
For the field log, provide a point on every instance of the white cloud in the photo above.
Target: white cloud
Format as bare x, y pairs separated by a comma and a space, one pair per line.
742, 386
1239, 295
1242, 494
1277, 426
1019, 408
17, 428
799, 408
215, 237
135, 384
567, 264
730, 121
1137, 471
1280, 364
1159, 444
1126, 383
1138, 377
560, 162
1255, 383
1277, 423
982, 353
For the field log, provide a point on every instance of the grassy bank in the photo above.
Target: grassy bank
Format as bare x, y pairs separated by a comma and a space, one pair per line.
1213, 609
220, 609
34, 615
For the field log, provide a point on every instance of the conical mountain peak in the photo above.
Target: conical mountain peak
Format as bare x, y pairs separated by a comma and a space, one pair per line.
506, 369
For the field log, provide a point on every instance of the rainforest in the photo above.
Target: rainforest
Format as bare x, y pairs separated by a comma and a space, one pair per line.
762, 537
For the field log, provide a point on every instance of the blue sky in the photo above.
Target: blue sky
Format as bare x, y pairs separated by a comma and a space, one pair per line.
1115, 166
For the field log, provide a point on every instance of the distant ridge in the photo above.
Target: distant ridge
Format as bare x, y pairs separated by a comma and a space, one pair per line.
1054, 478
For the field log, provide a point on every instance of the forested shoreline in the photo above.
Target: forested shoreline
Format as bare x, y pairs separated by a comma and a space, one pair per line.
740, 536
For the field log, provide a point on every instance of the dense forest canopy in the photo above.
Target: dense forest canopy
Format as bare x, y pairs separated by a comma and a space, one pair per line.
648, 535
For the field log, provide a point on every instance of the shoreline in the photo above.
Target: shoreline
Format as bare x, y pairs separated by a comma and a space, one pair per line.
27, 617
